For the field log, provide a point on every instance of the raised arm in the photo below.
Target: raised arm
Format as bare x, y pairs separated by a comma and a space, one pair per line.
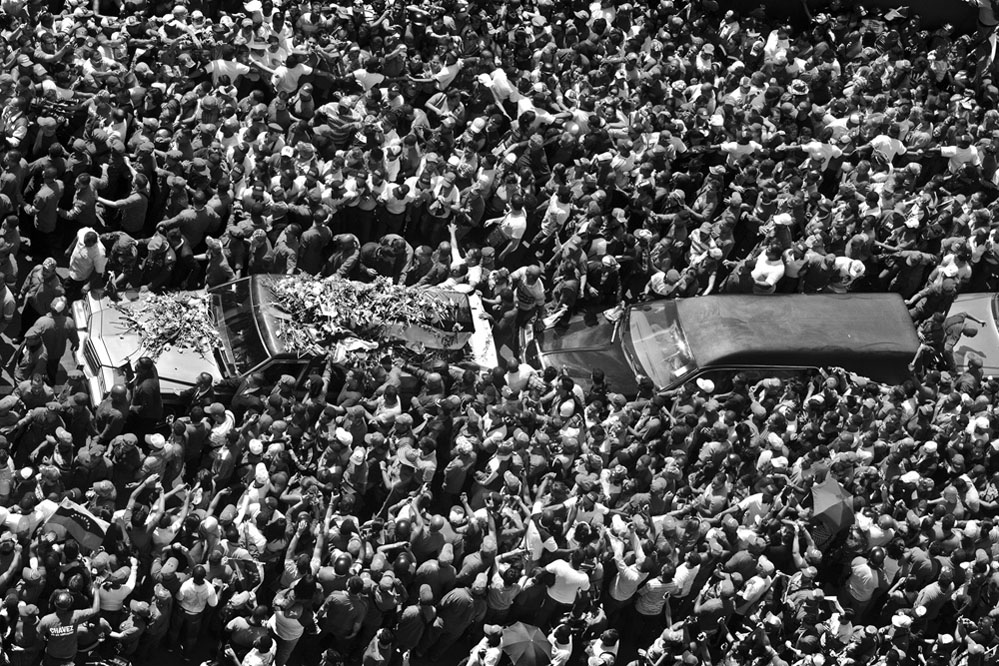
157, 512
184, 510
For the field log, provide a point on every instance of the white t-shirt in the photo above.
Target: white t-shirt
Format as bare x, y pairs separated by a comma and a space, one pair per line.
394, 204
863, 580
888, 147
753, 509
769, 272
286, 79
500, 85
368, 80
561, 652
960, 156
821, 153
683, 579
514, 225
536, 544
230, 68
447, 74
568, 582
555, 216
738, 150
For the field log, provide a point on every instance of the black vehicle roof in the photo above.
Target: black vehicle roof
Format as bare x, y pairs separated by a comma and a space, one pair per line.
870, 334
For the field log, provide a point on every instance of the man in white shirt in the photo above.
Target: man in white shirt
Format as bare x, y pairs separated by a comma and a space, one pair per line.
510, 228
768, 271
488, 651
87, 261
561, 593
262, 654
755, 587
395, 201
504, 93
742, 93
841, 126
736, 150
625, 583
753, 509
887, 146
223, 421
864, 580
562, 646
820, 151
684, 576
961, 154
194, 596
286, 77
370, 75
118, 586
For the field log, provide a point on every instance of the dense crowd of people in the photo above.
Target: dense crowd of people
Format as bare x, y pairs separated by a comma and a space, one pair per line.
557, 157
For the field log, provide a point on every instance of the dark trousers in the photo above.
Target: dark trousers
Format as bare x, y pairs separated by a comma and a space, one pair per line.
48, 660
45, 244
390, 223
52, 367
149, 646
185, 628
550, 612
29, 315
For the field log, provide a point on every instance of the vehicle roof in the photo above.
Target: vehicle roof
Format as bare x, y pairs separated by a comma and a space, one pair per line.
266, 313
870, 334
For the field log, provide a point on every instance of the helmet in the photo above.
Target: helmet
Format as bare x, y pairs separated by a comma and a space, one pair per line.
402, 528
402, 564
341, 565
62, 600
877, 556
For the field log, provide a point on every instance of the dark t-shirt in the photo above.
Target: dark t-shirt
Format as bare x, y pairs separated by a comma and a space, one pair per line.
243, 634
343, 611
713, 610
59, 629
427, 544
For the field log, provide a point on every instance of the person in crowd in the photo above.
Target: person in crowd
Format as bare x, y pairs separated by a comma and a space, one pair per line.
557, 160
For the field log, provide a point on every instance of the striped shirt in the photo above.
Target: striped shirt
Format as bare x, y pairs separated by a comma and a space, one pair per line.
652, 596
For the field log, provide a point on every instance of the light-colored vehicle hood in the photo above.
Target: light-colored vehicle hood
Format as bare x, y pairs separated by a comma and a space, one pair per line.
107, 345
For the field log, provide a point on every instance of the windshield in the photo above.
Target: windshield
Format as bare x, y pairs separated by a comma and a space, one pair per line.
238, 327
657, 345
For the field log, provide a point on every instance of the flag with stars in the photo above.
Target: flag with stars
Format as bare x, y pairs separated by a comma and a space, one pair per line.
85, 527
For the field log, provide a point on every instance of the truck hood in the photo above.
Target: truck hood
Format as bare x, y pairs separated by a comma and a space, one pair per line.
116, 346
985, 343
581, 347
